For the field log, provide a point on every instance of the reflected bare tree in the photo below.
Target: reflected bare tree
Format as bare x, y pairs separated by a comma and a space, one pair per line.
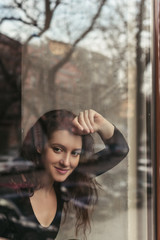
38, 16
32, 21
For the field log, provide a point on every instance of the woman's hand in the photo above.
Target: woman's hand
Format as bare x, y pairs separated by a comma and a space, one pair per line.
89, 121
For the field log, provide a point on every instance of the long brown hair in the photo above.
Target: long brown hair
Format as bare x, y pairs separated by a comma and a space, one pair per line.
80, 188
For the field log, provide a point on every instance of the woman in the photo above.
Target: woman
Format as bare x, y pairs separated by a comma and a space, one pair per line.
61, 146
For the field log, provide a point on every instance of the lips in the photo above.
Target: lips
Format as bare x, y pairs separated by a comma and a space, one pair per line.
61, 170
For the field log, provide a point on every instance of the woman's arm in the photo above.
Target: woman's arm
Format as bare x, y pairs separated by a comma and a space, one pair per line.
90, 121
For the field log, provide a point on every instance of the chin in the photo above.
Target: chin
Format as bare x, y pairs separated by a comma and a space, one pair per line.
60, 178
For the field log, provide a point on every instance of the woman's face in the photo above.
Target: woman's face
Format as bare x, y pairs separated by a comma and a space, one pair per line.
61, 154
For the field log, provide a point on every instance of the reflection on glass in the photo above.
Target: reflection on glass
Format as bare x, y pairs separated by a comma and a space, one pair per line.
76, 55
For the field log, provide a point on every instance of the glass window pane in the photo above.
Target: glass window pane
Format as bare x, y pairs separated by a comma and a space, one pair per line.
79, 55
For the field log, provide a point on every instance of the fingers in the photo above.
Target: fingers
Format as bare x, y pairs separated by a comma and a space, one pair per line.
88, 122
77, 124
91, 115
85, 121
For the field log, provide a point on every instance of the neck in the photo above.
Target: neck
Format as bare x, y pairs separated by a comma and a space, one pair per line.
45, 190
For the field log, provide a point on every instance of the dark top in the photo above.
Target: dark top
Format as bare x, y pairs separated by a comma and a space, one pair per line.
17, 219
18, 222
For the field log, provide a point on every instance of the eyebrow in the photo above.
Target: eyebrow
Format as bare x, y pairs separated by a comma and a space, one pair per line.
63, 147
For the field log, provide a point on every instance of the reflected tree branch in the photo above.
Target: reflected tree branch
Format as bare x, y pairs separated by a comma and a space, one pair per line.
66, 58
49, 13
21, 7
15, 19
92, 23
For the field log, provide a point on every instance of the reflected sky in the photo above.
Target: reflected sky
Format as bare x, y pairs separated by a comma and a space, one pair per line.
69, 21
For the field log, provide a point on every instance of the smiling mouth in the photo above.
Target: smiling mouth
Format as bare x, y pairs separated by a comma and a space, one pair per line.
61, 170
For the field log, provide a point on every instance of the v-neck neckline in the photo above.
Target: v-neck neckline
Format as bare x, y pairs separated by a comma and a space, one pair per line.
36, 219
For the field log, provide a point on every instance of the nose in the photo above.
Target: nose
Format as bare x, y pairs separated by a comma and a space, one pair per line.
65, 161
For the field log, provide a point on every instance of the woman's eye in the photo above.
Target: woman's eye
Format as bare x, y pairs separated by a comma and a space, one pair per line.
75, 154
57, 149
